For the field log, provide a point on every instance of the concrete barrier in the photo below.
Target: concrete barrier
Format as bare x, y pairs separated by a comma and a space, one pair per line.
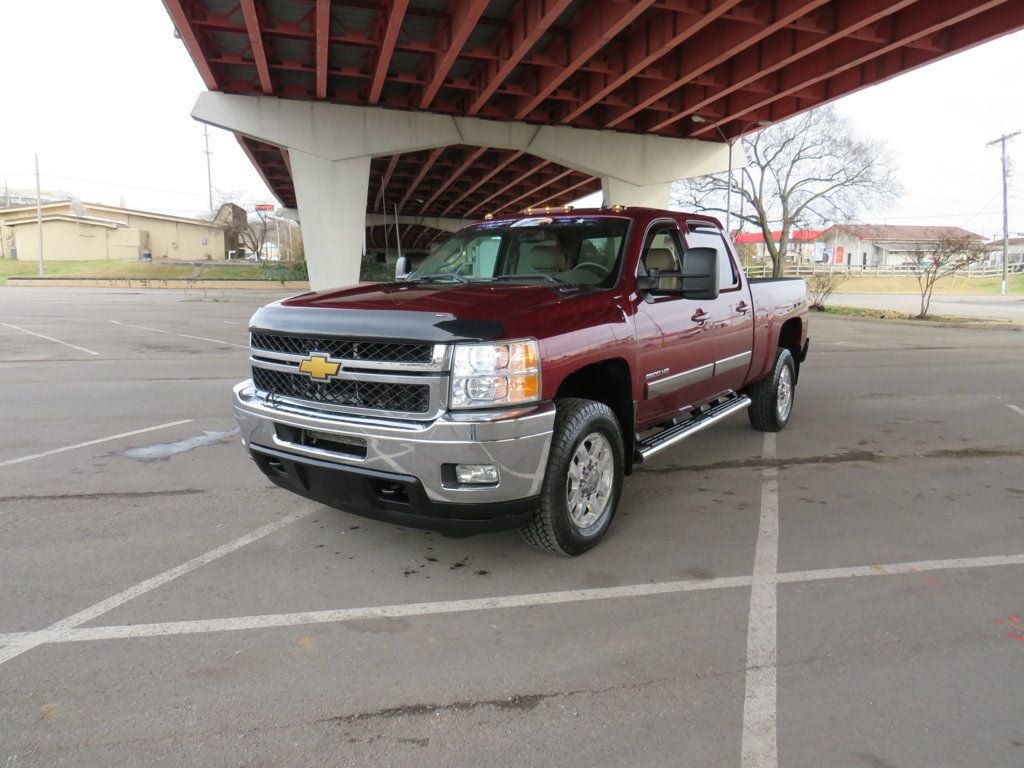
145, 282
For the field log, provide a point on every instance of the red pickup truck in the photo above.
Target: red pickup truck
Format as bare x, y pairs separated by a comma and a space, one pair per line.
517, 375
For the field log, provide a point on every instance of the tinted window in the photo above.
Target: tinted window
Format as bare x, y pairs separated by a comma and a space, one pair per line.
580, 251
727, 277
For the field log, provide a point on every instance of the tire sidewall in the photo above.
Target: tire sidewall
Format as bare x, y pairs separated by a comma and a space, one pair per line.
782, 361
570, 538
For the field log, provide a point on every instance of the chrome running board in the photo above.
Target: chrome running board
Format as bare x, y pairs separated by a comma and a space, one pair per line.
669, 437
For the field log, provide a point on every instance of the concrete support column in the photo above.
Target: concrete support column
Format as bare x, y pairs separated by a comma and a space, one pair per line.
619, 192
332, 198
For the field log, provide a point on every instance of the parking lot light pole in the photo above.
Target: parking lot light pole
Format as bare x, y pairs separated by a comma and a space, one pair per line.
728, 186
39, 216
1006, 230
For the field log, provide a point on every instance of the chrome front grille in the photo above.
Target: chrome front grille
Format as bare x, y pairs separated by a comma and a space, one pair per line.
376, 378
348, 349
410, 398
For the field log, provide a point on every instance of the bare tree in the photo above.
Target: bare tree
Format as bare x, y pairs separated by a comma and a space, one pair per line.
946, 256
808, 170
821, 285
254, 234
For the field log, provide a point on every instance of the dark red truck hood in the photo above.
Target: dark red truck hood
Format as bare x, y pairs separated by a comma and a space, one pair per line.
439, 312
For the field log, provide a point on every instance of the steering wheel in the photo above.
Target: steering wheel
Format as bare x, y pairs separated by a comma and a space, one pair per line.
599, 269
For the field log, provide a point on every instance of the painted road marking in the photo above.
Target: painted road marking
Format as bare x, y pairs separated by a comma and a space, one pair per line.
182, 335
402, 610
21, 459
1016, 408
895, 569
57, 631
759, 748
50, 338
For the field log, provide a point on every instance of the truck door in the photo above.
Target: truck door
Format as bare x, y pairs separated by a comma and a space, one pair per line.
732, 314
675, 353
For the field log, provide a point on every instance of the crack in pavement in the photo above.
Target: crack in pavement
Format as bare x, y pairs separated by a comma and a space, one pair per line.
104, 495
840, 458
519, 703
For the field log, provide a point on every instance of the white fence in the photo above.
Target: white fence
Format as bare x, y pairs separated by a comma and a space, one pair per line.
855, 270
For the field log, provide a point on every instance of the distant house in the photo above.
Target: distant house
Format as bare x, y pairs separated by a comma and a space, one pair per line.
883, 245
801, 244
83, 231
1014, 254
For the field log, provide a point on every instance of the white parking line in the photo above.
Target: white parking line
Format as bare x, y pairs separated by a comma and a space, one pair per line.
57, 631
271, 621
1016, 408
402, 610
894, 569
759, 748
97, 441
182, 335
50, 338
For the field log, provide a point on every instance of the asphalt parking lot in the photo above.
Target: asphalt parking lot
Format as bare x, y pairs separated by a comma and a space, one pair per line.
850, 593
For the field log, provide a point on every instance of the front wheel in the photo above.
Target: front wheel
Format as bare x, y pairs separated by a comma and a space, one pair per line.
771, 398
583, 480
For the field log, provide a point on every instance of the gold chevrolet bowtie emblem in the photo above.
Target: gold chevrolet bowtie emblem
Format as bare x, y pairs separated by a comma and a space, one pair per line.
319, 367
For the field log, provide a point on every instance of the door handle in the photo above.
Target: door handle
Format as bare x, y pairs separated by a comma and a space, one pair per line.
742, 307
700, 317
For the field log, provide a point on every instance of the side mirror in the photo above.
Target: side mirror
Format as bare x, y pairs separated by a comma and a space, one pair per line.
700, 273
697, 280
402, 268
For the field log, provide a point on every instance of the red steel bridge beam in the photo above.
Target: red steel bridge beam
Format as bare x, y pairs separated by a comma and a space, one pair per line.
916, 22
392, 16
599, 22
471, 158
183, 23
486, 177
462, 18
322, 25
645, 44
719, 43
782, 49
259, 53
528, 23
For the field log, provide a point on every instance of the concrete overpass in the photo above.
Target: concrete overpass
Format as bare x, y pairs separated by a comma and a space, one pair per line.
457, 108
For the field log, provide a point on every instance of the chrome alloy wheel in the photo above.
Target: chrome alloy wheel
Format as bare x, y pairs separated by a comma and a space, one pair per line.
588, 486
784, 396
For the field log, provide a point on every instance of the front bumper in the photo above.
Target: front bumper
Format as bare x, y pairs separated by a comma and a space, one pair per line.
396, 470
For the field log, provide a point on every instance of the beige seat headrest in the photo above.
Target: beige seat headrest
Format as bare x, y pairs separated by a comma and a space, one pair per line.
547, 258
662, 259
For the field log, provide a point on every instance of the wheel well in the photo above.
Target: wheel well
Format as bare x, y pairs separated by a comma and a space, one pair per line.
789, 338
607, 382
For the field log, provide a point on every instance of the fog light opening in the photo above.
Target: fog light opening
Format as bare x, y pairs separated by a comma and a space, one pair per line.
476, 474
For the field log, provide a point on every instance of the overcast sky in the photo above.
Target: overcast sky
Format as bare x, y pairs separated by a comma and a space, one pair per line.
103, 93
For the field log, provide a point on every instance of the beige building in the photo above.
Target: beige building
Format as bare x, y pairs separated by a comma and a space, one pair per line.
82, 231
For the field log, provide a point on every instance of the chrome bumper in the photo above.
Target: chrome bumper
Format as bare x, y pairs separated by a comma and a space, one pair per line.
516, 441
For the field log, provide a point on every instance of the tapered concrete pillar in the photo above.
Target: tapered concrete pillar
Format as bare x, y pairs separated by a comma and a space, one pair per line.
618, 192
332, 199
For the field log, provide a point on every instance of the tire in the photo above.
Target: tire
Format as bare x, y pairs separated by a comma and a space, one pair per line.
771, 398
586, 434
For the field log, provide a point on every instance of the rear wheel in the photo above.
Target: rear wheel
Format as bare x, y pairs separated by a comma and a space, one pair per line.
583, 480
771, 398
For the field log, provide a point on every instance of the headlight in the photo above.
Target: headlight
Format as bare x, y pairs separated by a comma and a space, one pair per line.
495, 374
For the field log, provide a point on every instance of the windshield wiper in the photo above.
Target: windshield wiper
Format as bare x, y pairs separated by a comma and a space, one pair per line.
537, 275
440, 277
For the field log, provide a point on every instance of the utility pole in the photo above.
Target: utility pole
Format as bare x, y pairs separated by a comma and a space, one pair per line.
209, 177
1001, 141
39, 215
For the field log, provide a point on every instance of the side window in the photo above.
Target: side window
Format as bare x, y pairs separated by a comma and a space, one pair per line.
662, 251
727, 276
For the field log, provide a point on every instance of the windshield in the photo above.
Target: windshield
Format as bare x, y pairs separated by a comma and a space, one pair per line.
583, 251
